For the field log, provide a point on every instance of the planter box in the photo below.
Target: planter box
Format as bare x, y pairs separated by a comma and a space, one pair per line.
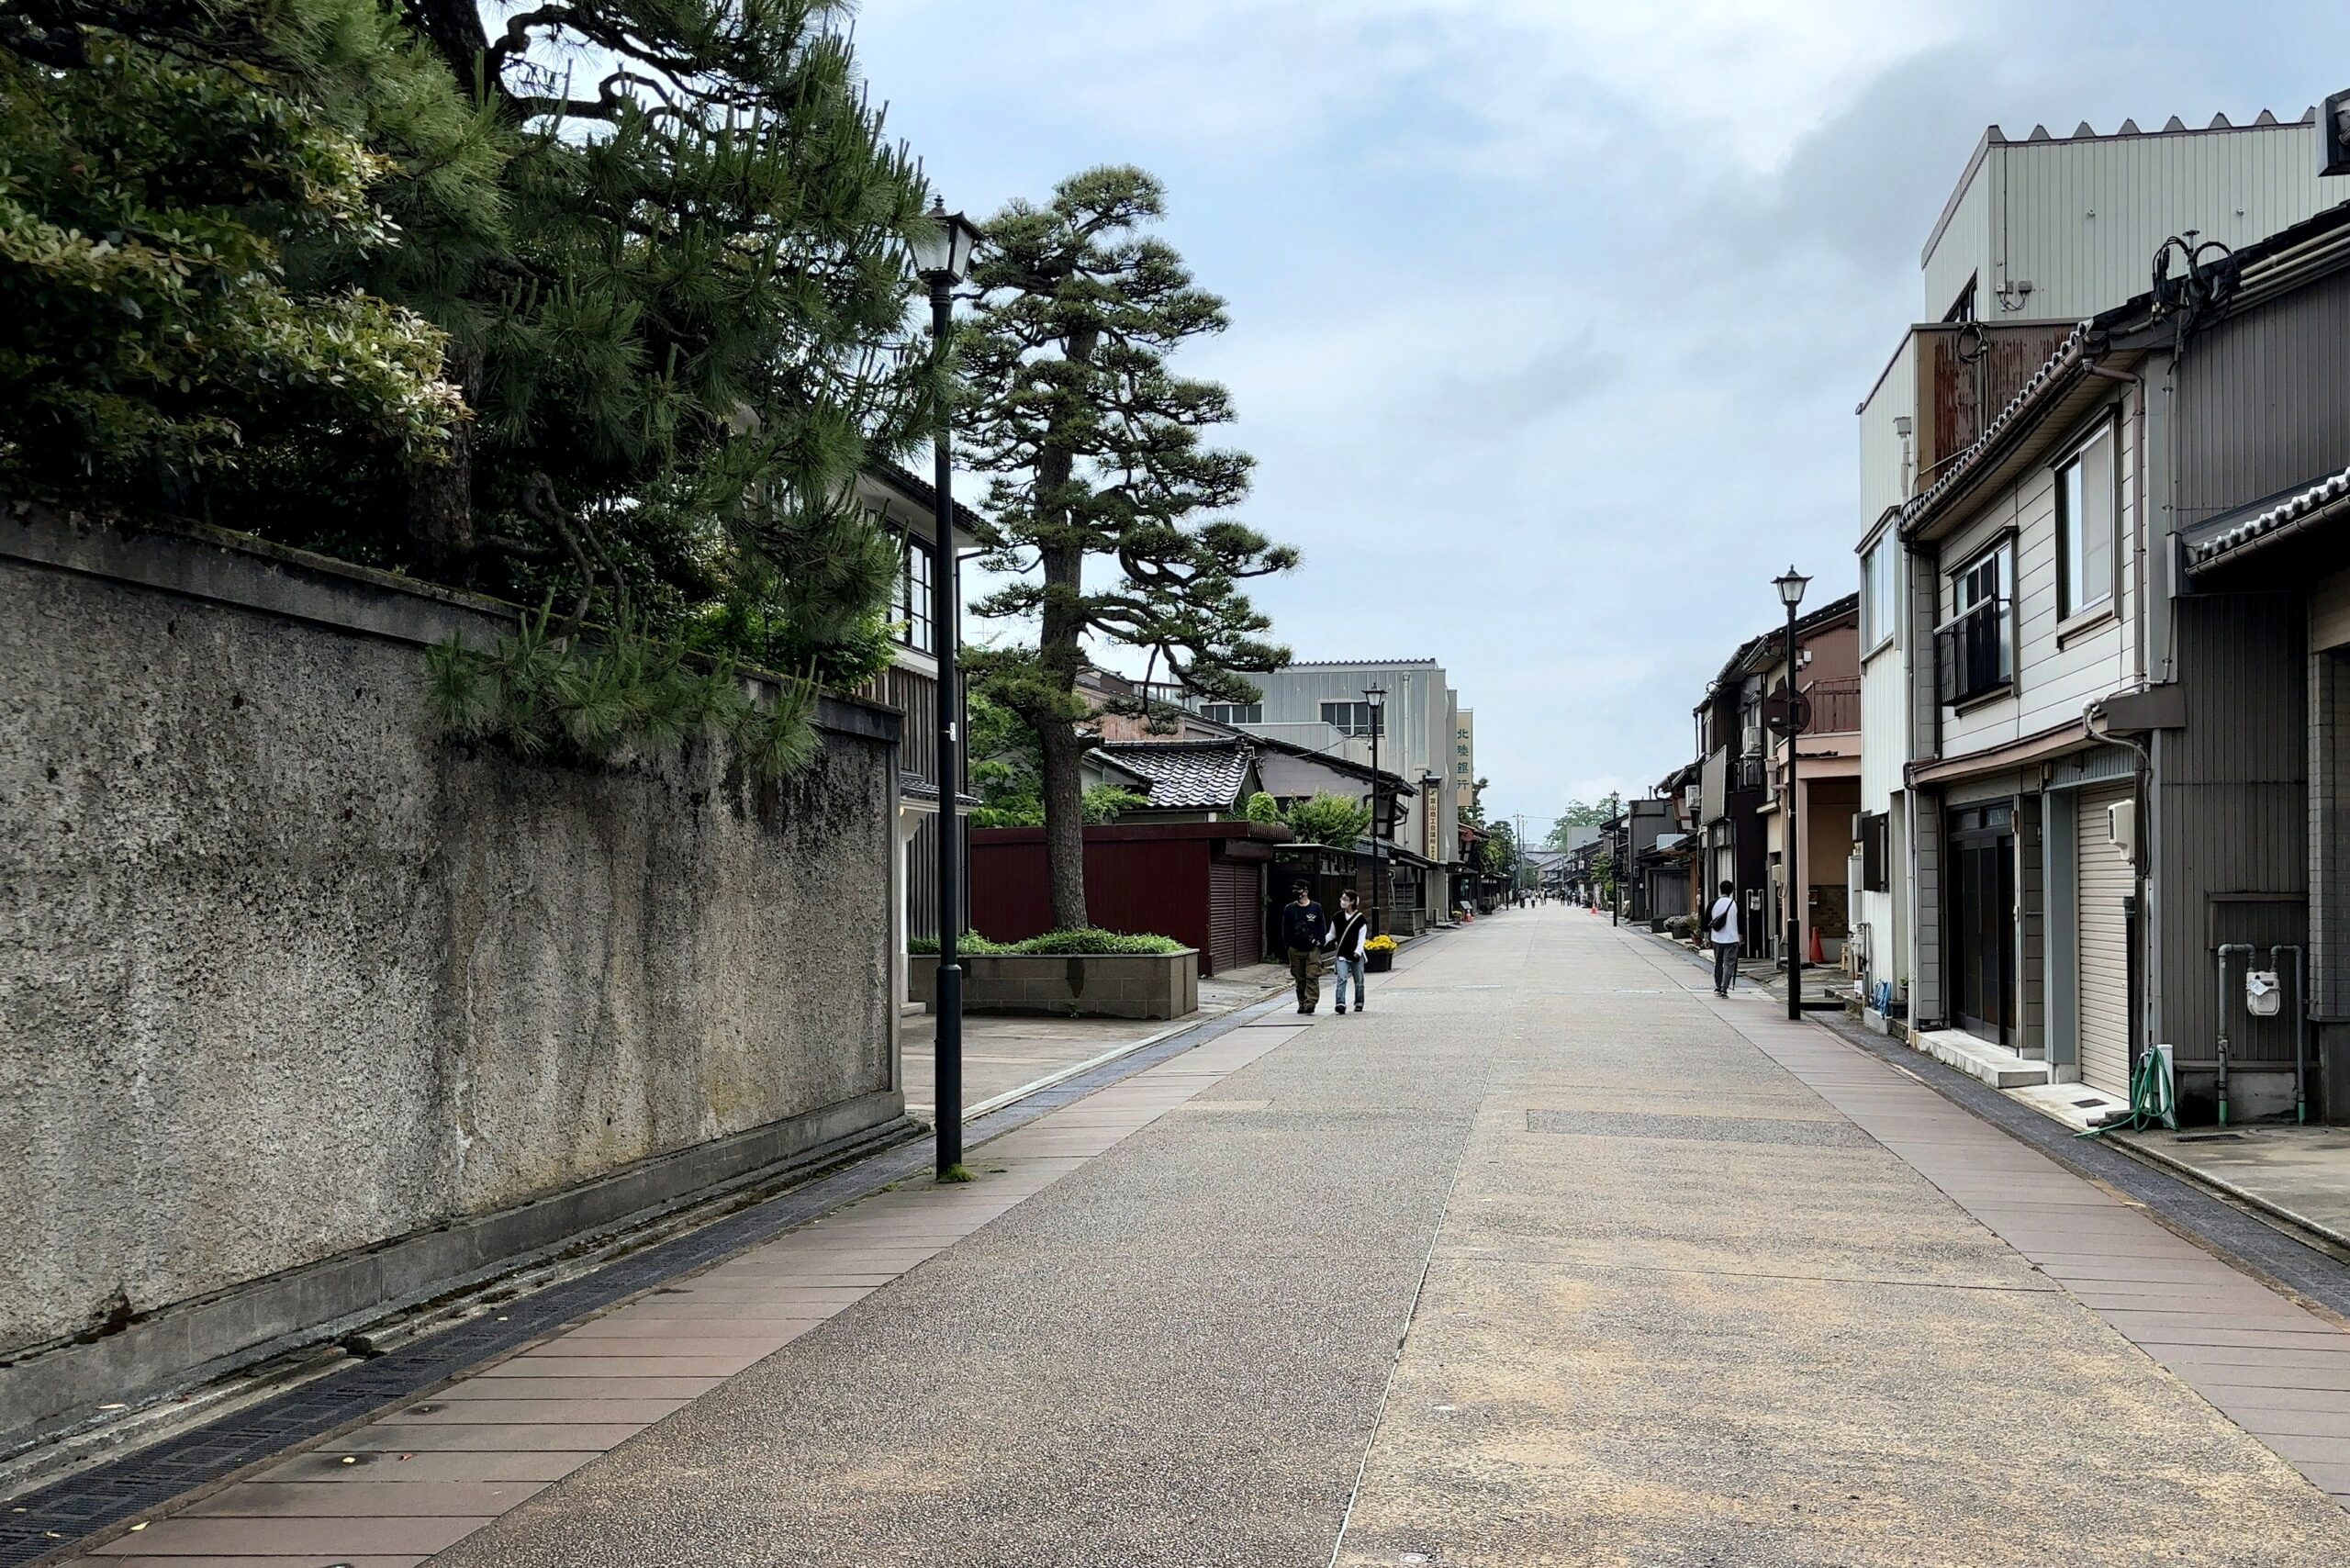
1109, 985
1378, 961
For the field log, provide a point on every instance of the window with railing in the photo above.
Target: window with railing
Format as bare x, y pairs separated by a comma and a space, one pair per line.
1973, 647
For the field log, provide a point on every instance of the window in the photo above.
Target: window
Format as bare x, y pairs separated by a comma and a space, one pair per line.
1353, 717
1973, 645
2085, 527
1233, 713
913, 608
1962, 309
1876, 594
1876, 844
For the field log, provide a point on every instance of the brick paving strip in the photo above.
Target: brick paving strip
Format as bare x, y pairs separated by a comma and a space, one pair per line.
2079, 1211
392, 1489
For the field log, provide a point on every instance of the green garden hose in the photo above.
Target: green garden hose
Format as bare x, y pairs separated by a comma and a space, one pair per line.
2151, 1102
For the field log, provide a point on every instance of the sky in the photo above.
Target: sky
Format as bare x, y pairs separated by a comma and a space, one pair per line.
1549, 317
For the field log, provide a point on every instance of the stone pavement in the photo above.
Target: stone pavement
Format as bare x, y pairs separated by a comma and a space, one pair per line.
1674, 1281
1005, 1055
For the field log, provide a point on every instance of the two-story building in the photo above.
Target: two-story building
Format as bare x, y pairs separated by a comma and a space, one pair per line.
1417, 714
908, 508
2039, 234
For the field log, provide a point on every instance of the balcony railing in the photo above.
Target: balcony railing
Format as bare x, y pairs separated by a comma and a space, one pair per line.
1749, 772
1972, 650
1835, 707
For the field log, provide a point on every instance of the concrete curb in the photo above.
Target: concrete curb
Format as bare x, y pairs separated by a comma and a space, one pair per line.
2268, 1206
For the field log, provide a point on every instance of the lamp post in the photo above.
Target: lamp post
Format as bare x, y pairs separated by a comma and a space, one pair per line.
1791, 585
942, 247
1375, 699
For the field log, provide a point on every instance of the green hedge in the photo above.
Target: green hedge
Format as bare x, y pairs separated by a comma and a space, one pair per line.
1088, 940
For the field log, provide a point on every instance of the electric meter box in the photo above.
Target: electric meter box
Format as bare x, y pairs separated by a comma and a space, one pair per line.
2263, 996
2121, 829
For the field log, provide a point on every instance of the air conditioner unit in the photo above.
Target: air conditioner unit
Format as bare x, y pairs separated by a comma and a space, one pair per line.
2121, 829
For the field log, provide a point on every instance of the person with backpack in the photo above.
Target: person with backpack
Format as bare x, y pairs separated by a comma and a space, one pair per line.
1721, 930
1347, 949
1304, 929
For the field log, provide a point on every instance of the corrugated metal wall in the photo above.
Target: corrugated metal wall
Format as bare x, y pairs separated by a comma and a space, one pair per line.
2230, 803
2263, 402
2081, 219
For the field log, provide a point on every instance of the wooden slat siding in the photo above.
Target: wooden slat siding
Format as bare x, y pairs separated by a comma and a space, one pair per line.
2264, 401
2330, 833
1236, 916
2232, 801
1925, 877
915, 694
2031, 930
2102, 1005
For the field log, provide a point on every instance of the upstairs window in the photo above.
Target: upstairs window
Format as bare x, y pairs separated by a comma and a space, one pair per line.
1352, 718
1233, 713
1876, 594
2085, 527
913, 608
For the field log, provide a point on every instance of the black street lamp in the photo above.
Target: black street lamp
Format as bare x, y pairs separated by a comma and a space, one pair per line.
1791, 585
942, 247
1375, 699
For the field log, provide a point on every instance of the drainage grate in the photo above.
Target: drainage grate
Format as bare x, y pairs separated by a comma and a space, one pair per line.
81, 1505
1708, 1129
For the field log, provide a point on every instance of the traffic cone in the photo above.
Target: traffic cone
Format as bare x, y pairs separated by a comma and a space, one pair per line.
1819, 953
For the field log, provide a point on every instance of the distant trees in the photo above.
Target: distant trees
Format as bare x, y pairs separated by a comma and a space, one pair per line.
1109, 510
1580, 814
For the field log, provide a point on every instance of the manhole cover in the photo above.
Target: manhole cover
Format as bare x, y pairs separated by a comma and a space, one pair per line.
2086, 1105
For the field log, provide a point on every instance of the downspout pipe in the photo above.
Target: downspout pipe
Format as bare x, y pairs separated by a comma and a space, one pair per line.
2300, 1031
2138, 525
2226, 948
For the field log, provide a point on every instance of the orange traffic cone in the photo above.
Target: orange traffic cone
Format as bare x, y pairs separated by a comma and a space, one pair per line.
1818, 954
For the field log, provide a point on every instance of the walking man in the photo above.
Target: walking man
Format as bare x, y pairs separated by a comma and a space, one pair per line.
1303, 930
1347, 949
1721, 930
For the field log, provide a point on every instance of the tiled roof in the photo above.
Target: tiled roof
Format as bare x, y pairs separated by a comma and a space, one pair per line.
2282, 515
1186, 775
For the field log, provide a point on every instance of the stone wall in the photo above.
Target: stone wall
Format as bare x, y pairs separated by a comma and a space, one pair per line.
307, 1010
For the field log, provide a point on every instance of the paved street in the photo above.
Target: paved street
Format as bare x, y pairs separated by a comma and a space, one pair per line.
1675, 1282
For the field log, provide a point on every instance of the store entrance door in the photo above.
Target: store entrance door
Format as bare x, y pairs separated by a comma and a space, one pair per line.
1983, 919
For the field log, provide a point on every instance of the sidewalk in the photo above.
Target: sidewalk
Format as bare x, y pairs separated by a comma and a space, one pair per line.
1003, 1055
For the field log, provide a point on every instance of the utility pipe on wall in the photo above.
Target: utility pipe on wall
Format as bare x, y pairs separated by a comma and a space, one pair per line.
2226, 948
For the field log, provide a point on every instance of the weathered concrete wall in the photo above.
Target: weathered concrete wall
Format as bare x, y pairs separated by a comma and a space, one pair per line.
286, 975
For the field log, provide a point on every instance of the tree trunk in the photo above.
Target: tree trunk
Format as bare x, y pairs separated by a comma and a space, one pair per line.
1063, 750
441, 495
1060, 650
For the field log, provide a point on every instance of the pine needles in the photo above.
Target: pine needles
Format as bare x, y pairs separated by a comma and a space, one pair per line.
544, 695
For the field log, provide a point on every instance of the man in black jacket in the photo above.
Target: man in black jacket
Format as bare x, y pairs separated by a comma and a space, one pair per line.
1302, 931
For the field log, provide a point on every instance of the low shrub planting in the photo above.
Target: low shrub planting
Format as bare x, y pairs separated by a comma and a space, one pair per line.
1085, 942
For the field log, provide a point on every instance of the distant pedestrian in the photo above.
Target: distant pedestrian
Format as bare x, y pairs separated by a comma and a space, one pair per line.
1346, 950
1721, 930
1303, 931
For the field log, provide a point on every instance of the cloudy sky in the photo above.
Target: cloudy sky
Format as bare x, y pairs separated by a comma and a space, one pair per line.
1549, 316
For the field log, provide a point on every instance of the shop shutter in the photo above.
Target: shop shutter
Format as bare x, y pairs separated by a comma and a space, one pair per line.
2104, 885
1236, 914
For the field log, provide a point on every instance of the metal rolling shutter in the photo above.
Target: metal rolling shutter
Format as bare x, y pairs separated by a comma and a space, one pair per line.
2105, 951
1236, 916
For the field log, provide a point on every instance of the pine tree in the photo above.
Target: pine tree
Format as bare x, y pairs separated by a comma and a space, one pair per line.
1097, 452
